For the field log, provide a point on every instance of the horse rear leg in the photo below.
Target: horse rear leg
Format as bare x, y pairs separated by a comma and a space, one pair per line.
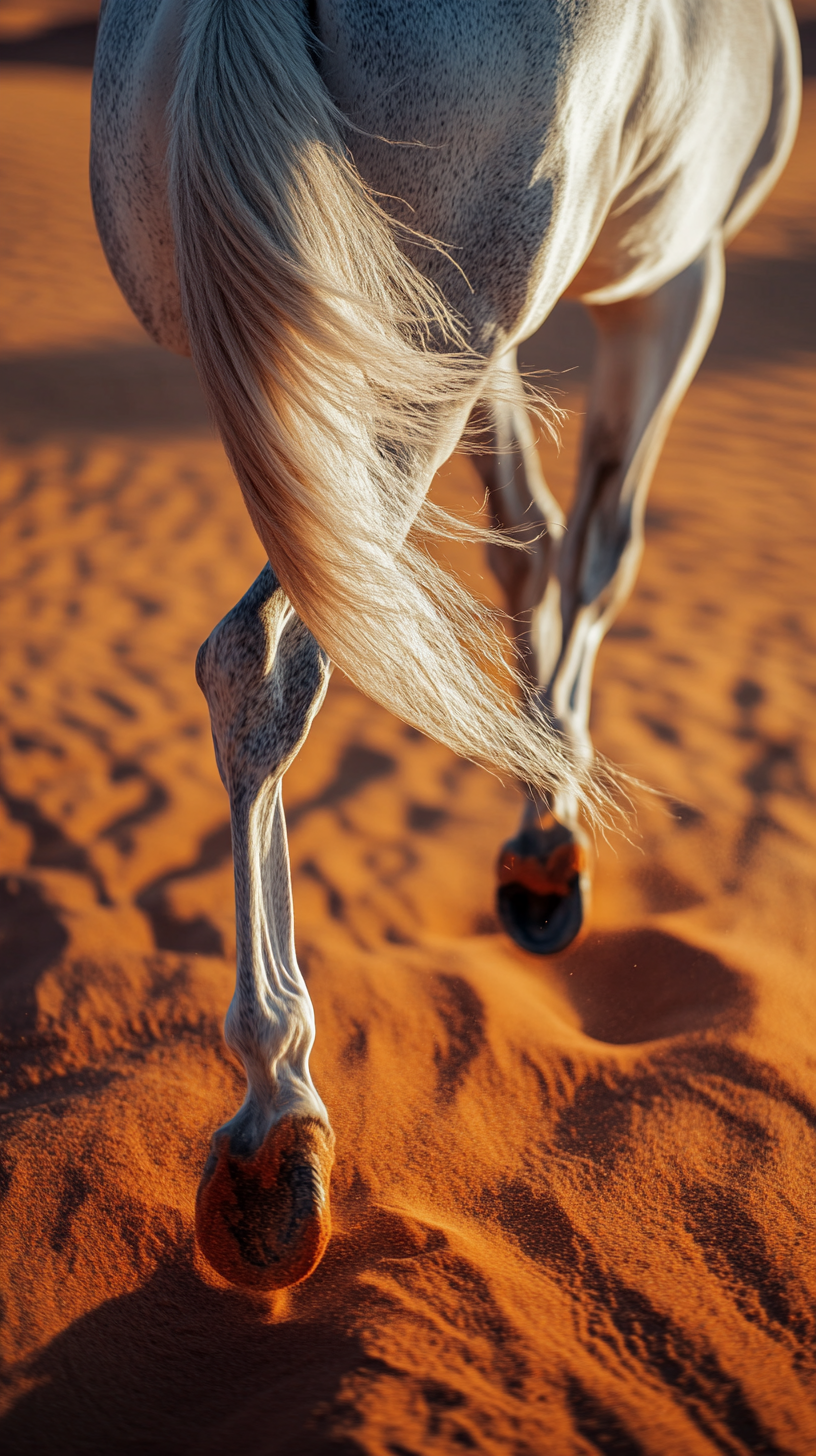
648, 351
262, 1211
521, 503
544, 858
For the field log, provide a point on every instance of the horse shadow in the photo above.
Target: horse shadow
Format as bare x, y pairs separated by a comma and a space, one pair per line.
180, 1366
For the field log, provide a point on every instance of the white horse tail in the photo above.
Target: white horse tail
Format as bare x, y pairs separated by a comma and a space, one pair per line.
333, 370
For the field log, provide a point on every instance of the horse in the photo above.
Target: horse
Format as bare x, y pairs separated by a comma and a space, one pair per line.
350, 214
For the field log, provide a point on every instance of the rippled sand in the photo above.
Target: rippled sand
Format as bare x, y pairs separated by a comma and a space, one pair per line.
573, 1199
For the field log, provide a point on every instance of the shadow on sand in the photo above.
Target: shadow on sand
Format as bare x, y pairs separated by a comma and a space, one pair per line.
177, 1366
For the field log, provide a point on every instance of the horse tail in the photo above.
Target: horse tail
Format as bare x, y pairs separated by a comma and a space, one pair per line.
331, 367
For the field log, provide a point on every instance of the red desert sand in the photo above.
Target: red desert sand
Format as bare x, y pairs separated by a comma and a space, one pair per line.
573, 1202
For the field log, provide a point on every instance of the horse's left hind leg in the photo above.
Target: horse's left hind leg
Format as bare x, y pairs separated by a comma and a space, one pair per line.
262, 1211
649, 349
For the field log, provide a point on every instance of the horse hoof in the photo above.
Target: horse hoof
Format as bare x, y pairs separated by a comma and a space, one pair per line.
544, 887
264, 1221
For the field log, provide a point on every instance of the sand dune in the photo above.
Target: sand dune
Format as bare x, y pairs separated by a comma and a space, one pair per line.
573, 1200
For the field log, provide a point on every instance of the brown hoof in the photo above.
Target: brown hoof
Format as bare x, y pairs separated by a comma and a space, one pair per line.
554, 875
264, 1221
543, 888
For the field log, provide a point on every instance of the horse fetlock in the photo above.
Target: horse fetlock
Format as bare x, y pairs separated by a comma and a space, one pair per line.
274, 1053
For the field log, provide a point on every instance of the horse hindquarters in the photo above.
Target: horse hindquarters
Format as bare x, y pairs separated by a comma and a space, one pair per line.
262, 1212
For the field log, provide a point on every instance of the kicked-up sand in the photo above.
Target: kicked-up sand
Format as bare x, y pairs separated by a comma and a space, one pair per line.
573, 1199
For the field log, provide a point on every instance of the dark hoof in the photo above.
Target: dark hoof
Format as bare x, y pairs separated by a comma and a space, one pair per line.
264, 1221
543, 889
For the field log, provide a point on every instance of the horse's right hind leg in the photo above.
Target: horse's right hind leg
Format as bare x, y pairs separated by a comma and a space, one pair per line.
649, 349
548, 856
262, 1211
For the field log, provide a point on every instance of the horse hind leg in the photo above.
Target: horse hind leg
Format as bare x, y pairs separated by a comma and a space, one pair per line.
544, 862
262, 1209
648, 351
520, 503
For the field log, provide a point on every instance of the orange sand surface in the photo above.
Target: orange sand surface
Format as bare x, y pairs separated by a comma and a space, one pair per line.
574, 1200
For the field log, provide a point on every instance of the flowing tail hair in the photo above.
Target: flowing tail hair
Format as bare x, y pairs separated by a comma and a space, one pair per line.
331, 367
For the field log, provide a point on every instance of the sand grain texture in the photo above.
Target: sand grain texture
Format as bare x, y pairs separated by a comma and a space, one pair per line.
573, 1201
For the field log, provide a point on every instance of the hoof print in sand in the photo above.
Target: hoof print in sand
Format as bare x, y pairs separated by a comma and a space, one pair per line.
263, 1221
